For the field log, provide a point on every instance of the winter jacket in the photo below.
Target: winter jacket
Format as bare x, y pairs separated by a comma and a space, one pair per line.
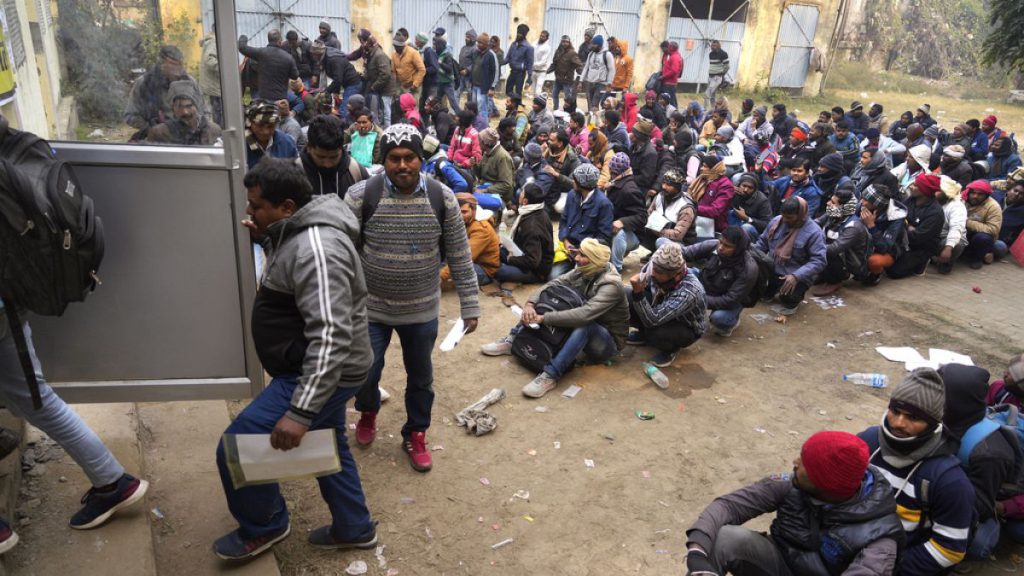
209, 67
979, 146
430, 65
986, 218
656, 113
954, 230
605, 303
409, 68
563, 183
149, 102
335, 180
590, 218
643, 158
1003, 165
716, 201
342, 73
484, 248
207, 133
443, 170
281, 145
623, 67
848, 242
889, 234
447, 66
519, 58
379, 74
330, 39
927, 221
539, 176
542, 121
757, 208
300, 54
860, 537
684, 302
465, 147
725, 286
808, 259
276, 68
467, 54
671, 67
496, 168
681, 212
309, 317
618, 138
1013, 223
783, 188
535, 237
599, 69
485, 71
628, 202
963, 174
566, 64
858, 125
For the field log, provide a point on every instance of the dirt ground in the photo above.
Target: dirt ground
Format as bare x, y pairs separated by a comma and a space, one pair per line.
737, 409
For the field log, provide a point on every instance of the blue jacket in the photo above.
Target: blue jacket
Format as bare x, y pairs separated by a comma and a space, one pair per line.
592, 219
430, 62
448, 174
519, 57
281, 146
979, 147
809, 252
858, 126
809, 191
1002, 167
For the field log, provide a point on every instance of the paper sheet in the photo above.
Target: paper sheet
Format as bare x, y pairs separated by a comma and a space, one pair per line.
519, 314
454, 335
943, 357
900, 354
510, 245
251, 460
705, 227
656, 221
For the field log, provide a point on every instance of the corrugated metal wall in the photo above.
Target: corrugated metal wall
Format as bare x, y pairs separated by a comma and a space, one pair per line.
618, 18
455, 16
796, 39
257, 17
694, 38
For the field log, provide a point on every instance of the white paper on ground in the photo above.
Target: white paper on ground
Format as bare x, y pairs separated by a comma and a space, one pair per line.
943, 357
317, 455
454, 335
900, 354
572, 391
656, 222
914, 365
510, 245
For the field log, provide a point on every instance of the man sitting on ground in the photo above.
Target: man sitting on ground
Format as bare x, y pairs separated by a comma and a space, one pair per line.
797, 246
984, 219
728, 275
750, 207
483, 242
600, 325
834, 515
954, 229
1013, 217
846, 243
666, 305
588, 214
532, 233
674, 213
924, 224
496, 171
885, 220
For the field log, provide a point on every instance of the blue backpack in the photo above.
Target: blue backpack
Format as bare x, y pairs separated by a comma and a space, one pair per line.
1003, 418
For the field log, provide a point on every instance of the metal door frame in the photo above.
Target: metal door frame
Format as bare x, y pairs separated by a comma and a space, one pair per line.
230, 158
596, 17
704, 37
459, 11
778, 41
281, 15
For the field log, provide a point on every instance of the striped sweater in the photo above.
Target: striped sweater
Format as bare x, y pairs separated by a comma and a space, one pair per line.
402, 258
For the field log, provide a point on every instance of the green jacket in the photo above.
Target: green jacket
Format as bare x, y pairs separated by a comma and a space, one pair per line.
496, 169
605, 304
380, 74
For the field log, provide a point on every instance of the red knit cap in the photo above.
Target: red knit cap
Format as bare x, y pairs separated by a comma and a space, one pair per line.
979, 186
835, 462
928, 184
799, 133
991, 120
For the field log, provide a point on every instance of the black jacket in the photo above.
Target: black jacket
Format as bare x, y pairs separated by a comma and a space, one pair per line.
335, 180
725, 286
848, 241
757, 207
643, 158
343, 74
628, 203
535, 237
303, 60
443, 123
927, 221
276, 68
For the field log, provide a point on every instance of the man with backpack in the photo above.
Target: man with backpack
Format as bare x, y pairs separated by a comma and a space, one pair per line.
410, 224
988, 451
597, 322
934, 498
598, 73
327, 164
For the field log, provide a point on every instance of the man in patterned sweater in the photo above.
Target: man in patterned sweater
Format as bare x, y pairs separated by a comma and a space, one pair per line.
934, 498
411, 225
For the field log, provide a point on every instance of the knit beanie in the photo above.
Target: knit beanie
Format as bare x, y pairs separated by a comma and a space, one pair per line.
832, 161
991, 120
752, 178
586, 175
835, 463
599, 40
932, 131
541, 100
726, 131
422, 37
401, 136
532, 153
619, 164
488, 138
644, 127
926, 108
668, 258
928, 185
171, 52
922, 395
763, 111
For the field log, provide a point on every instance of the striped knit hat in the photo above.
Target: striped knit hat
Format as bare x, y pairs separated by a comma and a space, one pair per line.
922, 395
618, 164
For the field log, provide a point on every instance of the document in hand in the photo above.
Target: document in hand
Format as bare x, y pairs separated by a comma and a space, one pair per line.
510, 245
251, 460
657, 221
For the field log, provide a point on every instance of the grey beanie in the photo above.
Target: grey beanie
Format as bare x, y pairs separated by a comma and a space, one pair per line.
726, 131
921, 394
532, 153
586, 175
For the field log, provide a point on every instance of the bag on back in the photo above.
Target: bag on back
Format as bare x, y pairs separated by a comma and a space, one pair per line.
765, 269
1007, 420
535, 347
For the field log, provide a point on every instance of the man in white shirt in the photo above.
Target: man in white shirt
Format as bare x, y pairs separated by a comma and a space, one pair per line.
542, 56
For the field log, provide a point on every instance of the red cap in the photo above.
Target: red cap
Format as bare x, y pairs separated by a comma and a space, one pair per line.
928, 184
835, 462
799, 134
991, 120
979, 186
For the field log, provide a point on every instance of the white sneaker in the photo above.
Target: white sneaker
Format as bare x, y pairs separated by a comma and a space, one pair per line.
540, 386
500, 348
384, 395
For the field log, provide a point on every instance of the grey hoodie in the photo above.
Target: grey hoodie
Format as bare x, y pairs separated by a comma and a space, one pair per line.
309, 318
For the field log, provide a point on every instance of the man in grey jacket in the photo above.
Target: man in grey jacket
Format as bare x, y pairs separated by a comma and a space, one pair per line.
309, 323
834, 515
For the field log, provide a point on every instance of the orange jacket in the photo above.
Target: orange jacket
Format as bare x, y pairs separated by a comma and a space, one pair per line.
484, 247
623, 67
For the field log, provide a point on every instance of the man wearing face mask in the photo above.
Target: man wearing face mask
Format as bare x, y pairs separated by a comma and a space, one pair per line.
934, 498
834, 514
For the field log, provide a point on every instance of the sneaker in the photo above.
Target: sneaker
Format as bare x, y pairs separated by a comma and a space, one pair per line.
976, 264
782, 310
539, 386
945, 268
663, 359
872, 280
384, 395
826, 289
366, 428
231, 546
500, 348
636, 339
415, 447
727, 333
100, 506
322, 538
8, 537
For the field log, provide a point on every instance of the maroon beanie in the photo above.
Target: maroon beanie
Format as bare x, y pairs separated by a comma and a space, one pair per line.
835, 462
928, 184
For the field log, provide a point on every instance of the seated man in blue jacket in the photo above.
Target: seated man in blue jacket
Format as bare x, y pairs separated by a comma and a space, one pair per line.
796, 245
588, 214
440, 168
798, 183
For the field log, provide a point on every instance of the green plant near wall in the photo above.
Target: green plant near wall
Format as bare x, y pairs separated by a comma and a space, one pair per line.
177, 30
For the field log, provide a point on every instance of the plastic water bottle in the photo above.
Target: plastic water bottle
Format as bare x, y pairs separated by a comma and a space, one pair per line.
656, 376
874, 380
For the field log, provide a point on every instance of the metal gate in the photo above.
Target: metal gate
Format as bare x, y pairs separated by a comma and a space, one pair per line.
456, 16
695, 23
618, 18
794, 46
257, 17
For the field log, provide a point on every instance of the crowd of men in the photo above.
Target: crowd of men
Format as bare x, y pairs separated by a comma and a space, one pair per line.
375, 179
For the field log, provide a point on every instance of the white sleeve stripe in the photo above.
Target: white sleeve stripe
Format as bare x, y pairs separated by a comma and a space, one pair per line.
326, 335
939, 557
951, 533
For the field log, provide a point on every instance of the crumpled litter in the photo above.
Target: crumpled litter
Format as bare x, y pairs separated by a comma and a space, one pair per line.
475, 418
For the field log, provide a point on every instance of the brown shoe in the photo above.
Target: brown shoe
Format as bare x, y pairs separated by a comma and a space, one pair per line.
826, 289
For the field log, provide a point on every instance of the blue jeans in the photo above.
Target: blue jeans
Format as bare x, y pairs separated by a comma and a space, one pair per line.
569, 90
751, 231
417, 345
593, 339
481, 277
725, 320
985, 540
349, 92
465, 86
55, 417
622, 244
559, 268
380, 107
448, 90
480, 96
510, 273
260, 510
1001, 248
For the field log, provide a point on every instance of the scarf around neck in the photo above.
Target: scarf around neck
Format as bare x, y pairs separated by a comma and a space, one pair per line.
706, 177
903, 452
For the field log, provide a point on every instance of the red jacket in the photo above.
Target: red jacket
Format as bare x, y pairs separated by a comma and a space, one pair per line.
671, 66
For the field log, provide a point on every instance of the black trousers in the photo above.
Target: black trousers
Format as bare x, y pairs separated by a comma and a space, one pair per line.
912, 262
791, 300
669, 337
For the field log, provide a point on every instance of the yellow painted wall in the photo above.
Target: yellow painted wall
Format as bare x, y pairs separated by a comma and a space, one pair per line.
652, 32
375, 16
192, 10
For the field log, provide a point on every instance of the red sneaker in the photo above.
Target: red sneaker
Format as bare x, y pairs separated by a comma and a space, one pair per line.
366, 428
415, 447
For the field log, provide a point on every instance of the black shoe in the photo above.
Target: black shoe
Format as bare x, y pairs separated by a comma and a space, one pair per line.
322, 538
9, 442
976, 264
945, 268
872, 280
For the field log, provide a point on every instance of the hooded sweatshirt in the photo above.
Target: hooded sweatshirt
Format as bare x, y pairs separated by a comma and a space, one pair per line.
623, 67
309, 318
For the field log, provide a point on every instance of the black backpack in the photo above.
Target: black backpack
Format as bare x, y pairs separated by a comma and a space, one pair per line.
765, 270
535, 347
51, 241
